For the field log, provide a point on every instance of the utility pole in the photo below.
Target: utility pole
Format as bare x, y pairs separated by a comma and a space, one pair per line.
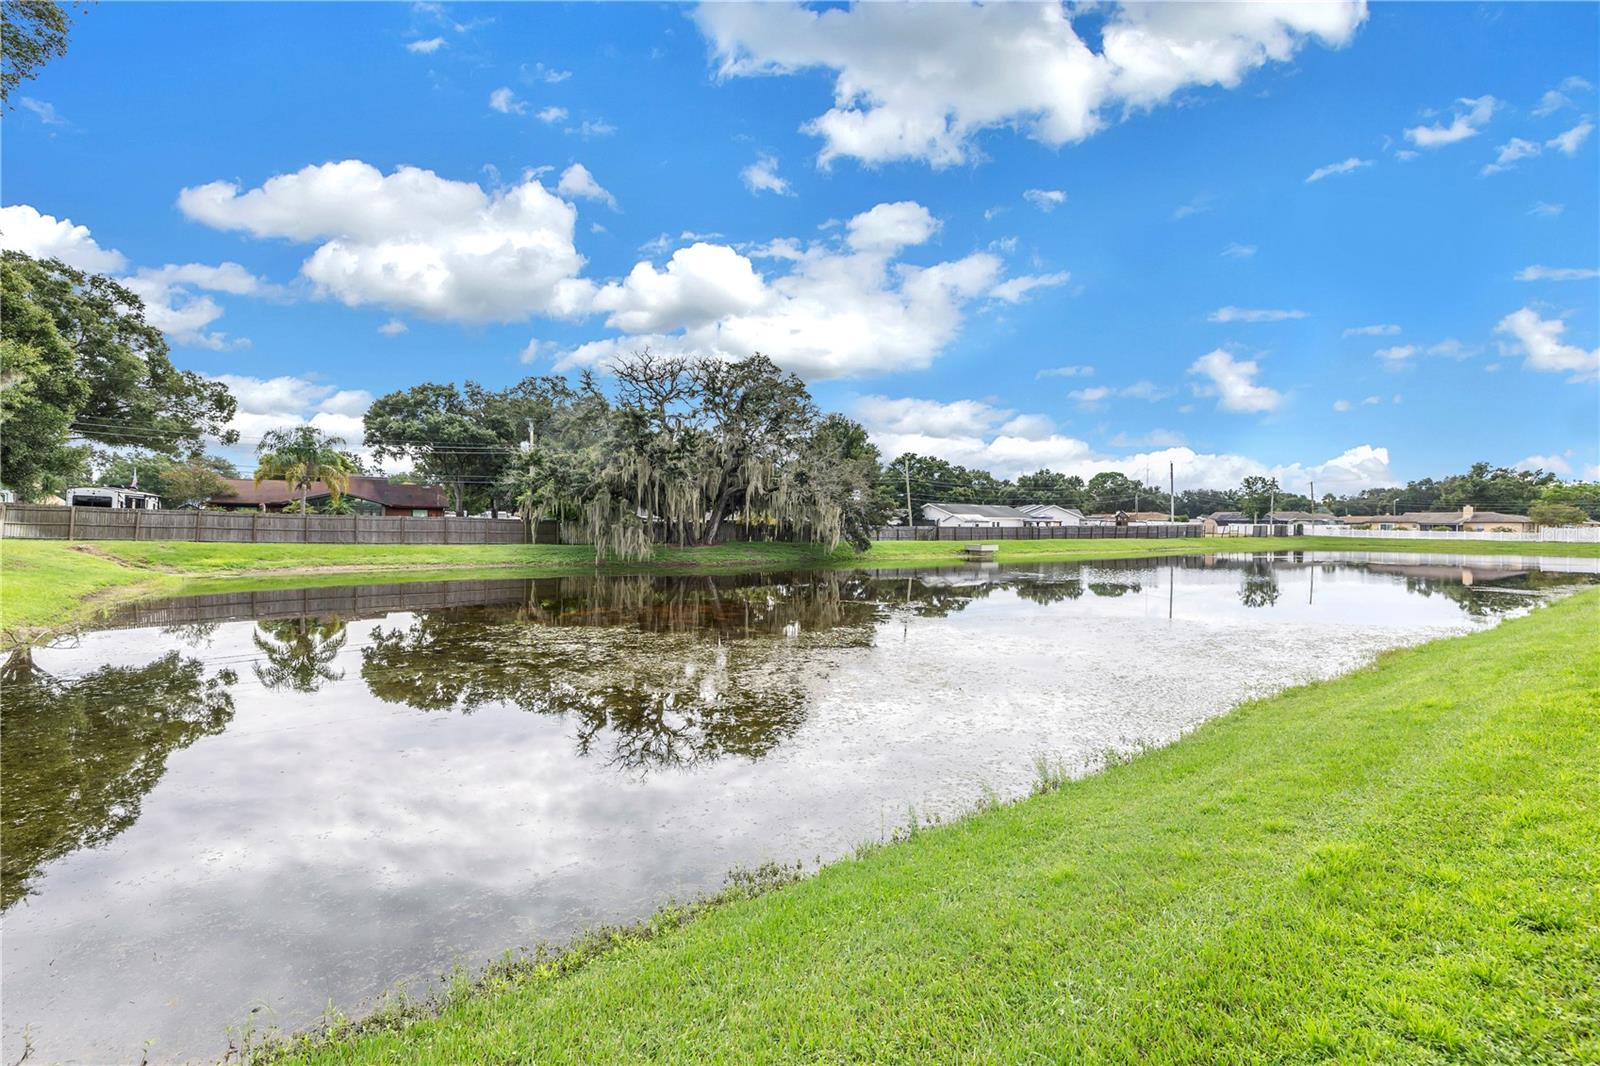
911, 519
1313, 499
1172, 507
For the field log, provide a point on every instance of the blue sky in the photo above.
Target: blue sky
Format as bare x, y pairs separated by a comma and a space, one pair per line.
1355, 244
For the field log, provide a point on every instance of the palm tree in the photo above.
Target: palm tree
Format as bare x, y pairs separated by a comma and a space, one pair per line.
299, 652
302, 456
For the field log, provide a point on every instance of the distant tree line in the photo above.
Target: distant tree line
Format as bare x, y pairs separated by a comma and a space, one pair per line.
678, 449
1536, 493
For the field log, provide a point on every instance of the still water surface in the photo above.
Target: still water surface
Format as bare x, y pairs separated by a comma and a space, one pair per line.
236, 810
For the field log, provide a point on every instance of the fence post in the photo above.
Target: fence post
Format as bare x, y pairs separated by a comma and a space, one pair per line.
197, 514
255, 528
72, 523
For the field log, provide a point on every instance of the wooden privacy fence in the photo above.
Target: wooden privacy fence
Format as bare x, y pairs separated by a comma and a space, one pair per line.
27, 521
1150, 531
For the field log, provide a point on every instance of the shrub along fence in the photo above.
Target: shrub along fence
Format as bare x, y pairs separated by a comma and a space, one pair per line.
28, 521
1148, 531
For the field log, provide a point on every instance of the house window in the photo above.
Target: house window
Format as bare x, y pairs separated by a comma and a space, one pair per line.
419, 512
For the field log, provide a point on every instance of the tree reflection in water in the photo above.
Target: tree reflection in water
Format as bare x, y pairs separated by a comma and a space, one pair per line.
80, 754
1259, 586
653, 672
299, 652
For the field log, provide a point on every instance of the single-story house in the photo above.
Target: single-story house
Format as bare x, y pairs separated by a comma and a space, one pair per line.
1054, 513
367, 495
1111, 518
1468, 518
994, 516
1222, 519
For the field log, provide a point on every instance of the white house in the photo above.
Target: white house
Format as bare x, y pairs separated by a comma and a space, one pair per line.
994, 516
1053, 513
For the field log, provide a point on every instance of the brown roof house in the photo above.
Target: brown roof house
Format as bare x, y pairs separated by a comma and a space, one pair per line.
368, 495
1467, 518
1122, 518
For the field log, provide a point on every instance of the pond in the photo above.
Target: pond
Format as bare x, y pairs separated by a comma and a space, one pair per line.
232, 811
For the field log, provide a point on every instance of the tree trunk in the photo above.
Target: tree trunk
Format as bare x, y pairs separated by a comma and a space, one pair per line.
718, 509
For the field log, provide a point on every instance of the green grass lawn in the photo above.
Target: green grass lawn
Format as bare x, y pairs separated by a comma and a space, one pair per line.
43, 584
1395, 866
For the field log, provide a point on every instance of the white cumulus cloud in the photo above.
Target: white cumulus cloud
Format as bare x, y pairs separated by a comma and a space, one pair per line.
23, 228
845, 306
413, 241
920, 82
505, 101
1250, 314
1008, 443
1539, 341
1544, 273
1015, 290
762, 176
1232, 382
577, 183
1045, 199
173, 295
1569, 142
1473, 114
1338, 168
1508, 154
1556, 464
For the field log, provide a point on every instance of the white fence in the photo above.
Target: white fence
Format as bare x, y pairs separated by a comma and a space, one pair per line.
1552, 534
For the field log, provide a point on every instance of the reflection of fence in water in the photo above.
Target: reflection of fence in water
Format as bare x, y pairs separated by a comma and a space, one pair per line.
730, 604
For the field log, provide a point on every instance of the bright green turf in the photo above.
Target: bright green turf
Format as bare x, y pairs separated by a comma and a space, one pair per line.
1396, 866
44, 583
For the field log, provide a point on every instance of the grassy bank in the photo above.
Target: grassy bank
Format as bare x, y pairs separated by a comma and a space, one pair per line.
1395, 866
46, 584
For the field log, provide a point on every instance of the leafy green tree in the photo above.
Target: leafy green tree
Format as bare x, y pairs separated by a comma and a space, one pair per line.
690, 445
1112, 490
1256, 495
32, 32
179, 483
444, 433
1493, 489
1195, 502
833, 480
119, 388
40, 391
1581, 494
303, 456
745, 419
1557, 514
1047, 486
